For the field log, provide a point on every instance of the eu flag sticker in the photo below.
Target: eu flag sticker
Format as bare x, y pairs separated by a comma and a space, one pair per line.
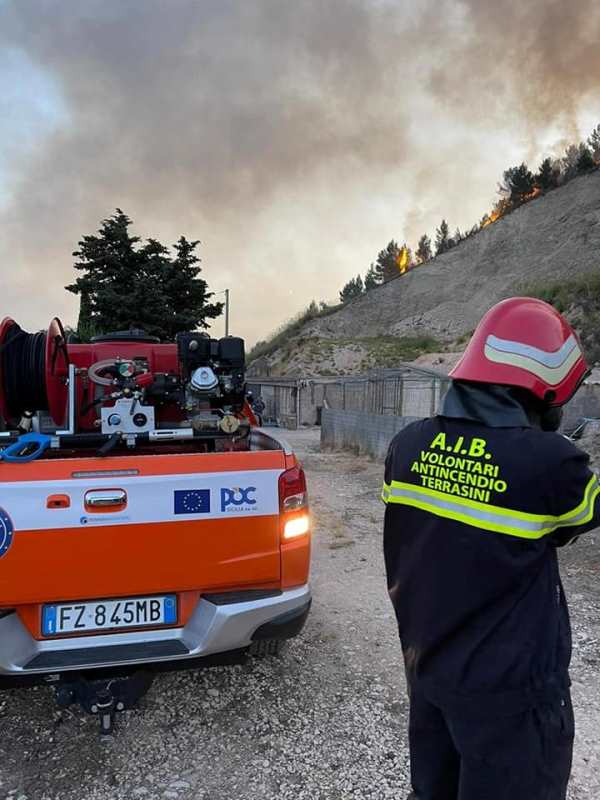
192, 501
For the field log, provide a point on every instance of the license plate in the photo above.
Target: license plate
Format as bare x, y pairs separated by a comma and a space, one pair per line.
102, 615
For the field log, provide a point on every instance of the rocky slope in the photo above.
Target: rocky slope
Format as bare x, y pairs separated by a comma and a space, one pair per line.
438, 304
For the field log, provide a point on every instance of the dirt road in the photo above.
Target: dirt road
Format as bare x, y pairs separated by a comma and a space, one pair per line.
325, 721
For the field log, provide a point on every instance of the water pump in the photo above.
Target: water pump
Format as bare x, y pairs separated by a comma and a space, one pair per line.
122, 388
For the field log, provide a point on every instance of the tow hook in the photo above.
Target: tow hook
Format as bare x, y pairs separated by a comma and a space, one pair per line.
105, 706
104, 698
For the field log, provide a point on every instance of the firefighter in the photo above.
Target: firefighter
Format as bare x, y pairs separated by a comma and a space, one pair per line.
478, 499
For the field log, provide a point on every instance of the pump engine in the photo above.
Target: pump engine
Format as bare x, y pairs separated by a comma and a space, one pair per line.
213, 376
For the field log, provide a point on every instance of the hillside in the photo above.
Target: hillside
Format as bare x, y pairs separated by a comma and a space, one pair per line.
434, 307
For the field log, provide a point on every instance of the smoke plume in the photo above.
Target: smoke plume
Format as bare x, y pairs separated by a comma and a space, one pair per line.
293, 138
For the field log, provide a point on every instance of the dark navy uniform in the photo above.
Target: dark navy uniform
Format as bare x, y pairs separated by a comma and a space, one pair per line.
475, 511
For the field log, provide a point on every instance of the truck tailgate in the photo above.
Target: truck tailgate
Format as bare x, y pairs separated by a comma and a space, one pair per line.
179, 522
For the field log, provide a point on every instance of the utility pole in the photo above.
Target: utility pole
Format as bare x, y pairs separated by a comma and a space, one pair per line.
226, 293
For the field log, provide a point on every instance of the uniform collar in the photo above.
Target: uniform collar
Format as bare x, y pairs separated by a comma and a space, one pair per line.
489, 404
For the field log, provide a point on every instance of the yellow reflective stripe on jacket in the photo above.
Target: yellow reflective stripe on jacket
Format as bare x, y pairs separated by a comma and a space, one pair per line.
491, 518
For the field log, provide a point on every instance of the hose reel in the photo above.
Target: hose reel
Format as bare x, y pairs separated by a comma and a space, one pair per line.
33, 371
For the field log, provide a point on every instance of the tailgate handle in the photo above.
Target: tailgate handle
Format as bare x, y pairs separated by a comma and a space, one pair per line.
100, 499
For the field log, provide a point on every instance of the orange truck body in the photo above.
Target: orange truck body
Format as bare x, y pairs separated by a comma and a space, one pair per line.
230, 562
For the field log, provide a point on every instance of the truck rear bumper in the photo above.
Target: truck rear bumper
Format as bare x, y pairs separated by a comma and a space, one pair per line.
219, 623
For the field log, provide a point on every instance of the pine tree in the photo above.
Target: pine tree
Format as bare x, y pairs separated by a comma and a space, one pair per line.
386, 265
457, 238
371, 279
423, 252
85, 327
124, 285
594, 143
569, 162
442, 238
518, 183
547, 175
585, 162
353, 289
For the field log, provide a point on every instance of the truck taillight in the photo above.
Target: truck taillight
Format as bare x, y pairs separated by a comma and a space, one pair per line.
293, 501
298, 526
292, 490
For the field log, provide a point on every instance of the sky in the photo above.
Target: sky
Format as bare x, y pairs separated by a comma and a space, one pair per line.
294, 138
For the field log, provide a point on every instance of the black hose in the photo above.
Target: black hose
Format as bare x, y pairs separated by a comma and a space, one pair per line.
109, 445
24, 371
88, 406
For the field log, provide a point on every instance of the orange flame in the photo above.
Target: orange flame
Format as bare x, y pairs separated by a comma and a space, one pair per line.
536, 191
491, 218
503, 206
402, 260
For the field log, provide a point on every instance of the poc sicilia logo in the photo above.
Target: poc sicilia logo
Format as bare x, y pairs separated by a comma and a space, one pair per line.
238, 499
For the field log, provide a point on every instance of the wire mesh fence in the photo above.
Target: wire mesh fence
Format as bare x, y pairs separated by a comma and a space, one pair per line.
408, 392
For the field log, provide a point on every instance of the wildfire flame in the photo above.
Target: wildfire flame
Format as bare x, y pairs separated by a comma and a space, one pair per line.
491, 218
503, 207
536, 191
402, 260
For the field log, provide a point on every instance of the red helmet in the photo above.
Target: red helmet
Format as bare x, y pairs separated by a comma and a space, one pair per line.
525, 342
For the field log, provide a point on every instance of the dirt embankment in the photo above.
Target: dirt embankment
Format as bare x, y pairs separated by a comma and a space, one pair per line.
441, 302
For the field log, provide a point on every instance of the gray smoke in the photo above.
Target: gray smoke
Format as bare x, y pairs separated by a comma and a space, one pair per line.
293, 138
544, 54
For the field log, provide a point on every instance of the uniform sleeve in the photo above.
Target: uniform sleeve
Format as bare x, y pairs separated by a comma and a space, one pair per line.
387, 475
575, 496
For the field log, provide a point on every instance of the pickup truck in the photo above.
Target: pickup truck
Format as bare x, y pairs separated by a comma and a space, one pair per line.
148, 558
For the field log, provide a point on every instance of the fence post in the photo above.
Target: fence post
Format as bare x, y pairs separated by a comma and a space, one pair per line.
433, 393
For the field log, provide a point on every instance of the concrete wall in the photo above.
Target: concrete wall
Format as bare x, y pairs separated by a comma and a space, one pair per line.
360, 432
586, 403
370, 434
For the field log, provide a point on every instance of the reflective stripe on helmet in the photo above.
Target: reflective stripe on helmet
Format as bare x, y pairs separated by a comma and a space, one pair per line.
552, 368
492, 518
552, 360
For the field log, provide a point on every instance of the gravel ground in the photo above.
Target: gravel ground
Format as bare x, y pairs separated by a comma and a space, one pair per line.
325, 720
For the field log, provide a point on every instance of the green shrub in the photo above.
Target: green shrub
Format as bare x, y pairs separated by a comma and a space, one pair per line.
291, 328
388, 351
579, 299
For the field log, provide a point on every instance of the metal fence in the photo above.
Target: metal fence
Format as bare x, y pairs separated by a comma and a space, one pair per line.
281, 403
406, 392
